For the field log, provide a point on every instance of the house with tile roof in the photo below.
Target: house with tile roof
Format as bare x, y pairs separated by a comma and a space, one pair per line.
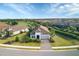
3, 26
40, 32
18, 29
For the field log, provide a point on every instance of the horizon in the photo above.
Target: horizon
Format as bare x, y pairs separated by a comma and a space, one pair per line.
38, 10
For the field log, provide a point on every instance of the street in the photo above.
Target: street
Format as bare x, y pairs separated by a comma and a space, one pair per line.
18, 52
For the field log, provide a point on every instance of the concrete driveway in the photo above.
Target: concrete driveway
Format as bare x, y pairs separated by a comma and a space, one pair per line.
45, 45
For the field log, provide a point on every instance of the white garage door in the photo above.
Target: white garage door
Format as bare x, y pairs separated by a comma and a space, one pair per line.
45, 36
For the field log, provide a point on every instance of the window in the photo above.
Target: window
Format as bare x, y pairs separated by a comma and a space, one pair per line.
33, 36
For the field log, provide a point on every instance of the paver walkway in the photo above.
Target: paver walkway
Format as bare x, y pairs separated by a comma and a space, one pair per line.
45, 45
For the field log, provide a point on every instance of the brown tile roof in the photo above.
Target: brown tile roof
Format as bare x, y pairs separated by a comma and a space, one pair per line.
3, 26
42, 29
16, 27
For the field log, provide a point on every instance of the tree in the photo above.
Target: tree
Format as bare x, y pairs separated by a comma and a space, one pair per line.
7, 33
71, 29
12, 22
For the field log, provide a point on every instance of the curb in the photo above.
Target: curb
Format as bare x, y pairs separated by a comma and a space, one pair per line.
23, 47
63, 47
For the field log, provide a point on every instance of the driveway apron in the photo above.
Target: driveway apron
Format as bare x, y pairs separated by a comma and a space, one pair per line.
45, 45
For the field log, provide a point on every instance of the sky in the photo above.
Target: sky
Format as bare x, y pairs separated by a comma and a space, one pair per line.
39, 10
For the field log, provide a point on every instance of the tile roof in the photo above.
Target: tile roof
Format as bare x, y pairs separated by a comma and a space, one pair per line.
3, 26
41, 29
16, 27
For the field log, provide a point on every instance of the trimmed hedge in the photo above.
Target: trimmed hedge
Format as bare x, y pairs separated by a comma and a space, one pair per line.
68, 34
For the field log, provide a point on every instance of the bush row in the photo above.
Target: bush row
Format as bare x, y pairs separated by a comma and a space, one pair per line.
68, 34
26, 39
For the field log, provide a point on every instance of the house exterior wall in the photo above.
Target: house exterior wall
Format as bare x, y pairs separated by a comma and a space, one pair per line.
38, 33
16, 32
41, 36
25, 30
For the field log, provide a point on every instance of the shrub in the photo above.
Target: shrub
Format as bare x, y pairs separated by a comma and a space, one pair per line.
0, 35
35, 40
51, 40
16, 39
67, 34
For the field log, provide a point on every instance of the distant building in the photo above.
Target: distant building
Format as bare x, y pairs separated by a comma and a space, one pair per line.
40, 32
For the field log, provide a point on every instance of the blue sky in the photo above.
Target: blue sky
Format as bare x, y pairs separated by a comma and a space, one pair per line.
39, 10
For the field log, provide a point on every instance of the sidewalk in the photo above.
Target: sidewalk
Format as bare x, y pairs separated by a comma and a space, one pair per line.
14, 46
44, 46
74, 46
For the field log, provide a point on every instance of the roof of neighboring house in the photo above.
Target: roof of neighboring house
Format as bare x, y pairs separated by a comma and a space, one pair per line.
42, 29
17, 28
3, 26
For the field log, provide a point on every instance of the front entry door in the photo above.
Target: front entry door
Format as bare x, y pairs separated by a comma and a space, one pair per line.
38, 37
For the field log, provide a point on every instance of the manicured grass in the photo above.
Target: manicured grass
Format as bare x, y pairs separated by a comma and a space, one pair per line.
22, 23
27, 44
60, 41
73, 41
18, 43
10, 38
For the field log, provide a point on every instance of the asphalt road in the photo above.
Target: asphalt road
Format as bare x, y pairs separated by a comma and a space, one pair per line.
18, 52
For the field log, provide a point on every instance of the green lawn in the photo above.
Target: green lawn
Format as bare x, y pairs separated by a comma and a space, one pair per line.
60, 41
10, 38
27, 44
18, 43
22, 23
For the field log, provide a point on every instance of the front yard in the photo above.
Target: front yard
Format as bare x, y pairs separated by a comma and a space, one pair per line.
60, 40
27, 44
2, 41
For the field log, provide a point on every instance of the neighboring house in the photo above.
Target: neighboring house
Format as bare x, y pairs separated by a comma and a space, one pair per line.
18, 29
40, 32
3, 27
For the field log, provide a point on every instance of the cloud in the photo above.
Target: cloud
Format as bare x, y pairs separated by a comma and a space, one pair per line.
64, 9
74, 9
15, 7
50, 10
22, 8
